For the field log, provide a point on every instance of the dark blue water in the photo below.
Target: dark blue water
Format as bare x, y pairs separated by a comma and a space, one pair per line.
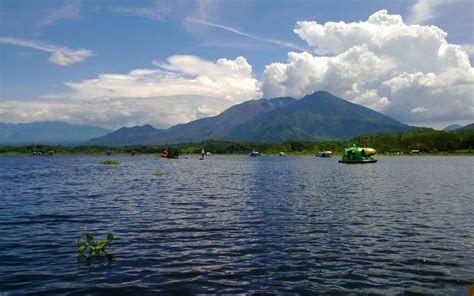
238, 225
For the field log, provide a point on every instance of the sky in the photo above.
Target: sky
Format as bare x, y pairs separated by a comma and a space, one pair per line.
126, 63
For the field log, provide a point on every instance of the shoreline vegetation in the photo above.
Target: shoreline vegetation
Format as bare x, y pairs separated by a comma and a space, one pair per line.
420, 142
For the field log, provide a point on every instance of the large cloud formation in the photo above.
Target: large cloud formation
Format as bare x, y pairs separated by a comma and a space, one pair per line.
409, 72
181, 89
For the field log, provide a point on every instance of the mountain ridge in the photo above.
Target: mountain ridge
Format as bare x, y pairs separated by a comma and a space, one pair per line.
318, 116
452, 127
48, 132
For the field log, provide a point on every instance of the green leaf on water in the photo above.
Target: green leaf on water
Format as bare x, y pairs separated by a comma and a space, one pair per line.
81, 249
94, 247
89, 237
110, 237
89, 246
100, 244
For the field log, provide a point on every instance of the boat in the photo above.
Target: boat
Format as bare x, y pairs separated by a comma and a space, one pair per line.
254, 153
324, 154
164, 154
172, 154
356, 154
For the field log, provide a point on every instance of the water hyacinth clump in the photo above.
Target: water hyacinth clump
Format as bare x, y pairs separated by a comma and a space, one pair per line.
94, 247
110, 162
157, 173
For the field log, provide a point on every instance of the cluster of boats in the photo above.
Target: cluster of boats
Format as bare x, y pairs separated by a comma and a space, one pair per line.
352, 154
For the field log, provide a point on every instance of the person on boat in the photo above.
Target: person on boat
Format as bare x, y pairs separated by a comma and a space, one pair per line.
202, 153
351, 155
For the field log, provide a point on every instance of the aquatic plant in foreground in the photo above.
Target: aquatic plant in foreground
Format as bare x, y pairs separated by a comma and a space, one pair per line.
112, 161
94, 247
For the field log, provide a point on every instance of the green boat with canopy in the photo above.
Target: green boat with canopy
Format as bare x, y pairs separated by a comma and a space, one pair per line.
356, 154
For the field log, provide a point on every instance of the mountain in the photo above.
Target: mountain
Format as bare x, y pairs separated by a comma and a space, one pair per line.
48, 132
319, 116
452, 127
146, 135
223, 125
468, 127
215, 127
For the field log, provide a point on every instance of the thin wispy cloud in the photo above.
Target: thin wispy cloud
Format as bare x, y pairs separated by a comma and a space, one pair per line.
161, 11
60, 55
70, 10
194, 13
423, 11
240, 33
140, 12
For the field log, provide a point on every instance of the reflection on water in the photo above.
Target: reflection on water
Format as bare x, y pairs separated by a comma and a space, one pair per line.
238, 225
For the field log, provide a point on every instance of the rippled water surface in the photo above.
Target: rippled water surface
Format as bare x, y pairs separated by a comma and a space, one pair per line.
238, 225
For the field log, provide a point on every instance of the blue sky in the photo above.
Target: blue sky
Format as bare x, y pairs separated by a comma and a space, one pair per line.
122, 63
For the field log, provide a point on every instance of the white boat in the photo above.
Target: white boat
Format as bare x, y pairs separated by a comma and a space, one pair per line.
324, 154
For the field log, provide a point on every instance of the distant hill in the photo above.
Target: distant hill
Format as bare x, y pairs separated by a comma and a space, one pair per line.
146, 135
319, 116
48, 132
468, 127
452, 127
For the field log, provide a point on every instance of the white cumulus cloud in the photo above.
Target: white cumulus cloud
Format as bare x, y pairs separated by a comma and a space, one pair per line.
230, 80
409, 72
180, 89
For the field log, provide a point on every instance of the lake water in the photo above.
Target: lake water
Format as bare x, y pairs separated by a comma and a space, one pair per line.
238, 225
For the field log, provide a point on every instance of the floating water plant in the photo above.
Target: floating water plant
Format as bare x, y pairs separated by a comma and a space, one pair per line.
94, 247
157, 173
111, 161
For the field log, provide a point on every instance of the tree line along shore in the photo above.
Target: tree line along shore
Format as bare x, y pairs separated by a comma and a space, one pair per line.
420, 141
